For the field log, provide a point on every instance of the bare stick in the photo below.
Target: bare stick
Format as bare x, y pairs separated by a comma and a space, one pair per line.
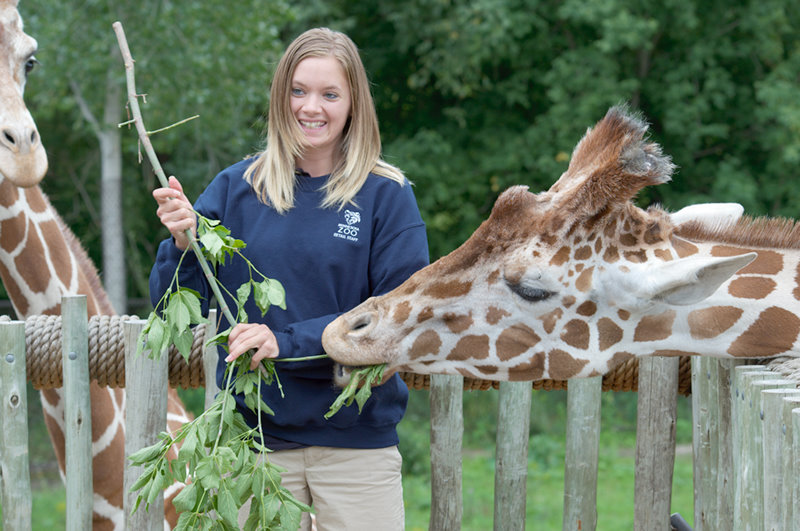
144, 138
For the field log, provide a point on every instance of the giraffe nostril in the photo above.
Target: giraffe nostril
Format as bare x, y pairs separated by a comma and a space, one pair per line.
9, 136
362, 323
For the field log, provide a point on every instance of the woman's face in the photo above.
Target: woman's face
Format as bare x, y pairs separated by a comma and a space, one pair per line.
320, 101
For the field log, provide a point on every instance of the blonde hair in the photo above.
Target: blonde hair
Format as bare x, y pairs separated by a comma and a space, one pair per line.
272, 173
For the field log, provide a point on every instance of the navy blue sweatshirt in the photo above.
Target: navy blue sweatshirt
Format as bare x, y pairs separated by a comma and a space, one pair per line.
328, 261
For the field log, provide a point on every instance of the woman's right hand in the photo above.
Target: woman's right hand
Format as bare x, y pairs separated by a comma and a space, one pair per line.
176, 212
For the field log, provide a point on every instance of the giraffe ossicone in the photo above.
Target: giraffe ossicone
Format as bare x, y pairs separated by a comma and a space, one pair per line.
575, 280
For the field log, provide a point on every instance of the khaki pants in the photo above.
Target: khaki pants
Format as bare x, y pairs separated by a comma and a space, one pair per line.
350, 490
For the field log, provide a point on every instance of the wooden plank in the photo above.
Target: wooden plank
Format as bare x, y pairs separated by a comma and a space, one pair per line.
77, 411
447, 433
655, 442
749, 505
705, 441
740, 405
775, 444
511, 457
581, 455
146, 383
726, 458
16, 497
791, 513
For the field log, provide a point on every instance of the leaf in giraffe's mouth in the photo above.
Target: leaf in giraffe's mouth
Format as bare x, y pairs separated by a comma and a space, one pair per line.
359, 388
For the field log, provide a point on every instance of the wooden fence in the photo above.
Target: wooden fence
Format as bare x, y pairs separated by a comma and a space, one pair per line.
747, 467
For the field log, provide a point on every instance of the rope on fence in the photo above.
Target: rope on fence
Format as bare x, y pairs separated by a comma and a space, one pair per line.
107, 360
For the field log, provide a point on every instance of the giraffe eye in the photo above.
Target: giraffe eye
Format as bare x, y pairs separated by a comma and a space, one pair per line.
530, 293
30, 64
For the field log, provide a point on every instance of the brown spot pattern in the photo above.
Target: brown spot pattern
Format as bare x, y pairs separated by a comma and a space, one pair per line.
583, 253
638, 257
711, 322
561, 257
9, 194
12, 232
655, 327
568, 301
774, 331
624, 314
563, 366
683, 247
550, 319
425, 314
31, 254
493, 277
609, 333
584, 281
576, 334
457, 323
448, 289
751, 287
470, 347
766, 263
611, 254
428, 342
402, 312
494, 314
663, 254
530, 370
628, 240
796, 291
515, 340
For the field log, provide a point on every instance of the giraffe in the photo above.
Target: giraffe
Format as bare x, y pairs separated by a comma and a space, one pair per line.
573, 281
41, 260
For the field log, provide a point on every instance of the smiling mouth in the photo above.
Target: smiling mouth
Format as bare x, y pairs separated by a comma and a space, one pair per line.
311, 125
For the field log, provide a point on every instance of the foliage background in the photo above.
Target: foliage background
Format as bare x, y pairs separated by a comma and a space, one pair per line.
473, 96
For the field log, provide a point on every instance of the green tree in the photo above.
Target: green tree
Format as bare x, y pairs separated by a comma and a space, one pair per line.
190, 60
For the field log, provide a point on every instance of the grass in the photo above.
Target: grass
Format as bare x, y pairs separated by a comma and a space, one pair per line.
545, 483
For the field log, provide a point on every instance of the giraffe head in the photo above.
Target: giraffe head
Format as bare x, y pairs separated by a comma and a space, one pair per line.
545, 287
22, 157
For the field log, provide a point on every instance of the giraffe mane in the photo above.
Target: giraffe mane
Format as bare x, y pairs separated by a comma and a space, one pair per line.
782, 233
86, 265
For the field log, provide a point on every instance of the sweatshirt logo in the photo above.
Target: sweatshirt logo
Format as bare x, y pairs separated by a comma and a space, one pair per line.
349, 229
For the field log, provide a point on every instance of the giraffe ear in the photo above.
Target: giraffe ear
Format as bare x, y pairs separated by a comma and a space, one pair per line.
710, 215
690, 280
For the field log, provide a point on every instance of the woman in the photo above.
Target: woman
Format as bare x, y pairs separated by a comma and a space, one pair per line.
323, 214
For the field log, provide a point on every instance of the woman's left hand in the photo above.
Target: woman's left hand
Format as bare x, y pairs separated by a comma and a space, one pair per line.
252, 336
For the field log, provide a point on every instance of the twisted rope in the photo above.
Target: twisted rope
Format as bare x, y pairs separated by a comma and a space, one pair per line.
107, 360
106, 353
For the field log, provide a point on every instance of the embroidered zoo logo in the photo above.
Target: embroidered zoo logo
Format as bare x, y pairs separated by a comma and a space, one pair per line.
349, 229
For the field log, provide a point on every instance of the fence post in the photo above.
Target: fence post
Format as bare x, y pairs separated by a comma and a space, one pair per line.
581, 453
749, 504
16, 479
655, 442
447, 432
146, 382
705, 444
776, 443
511, 457
77, 411
725, 454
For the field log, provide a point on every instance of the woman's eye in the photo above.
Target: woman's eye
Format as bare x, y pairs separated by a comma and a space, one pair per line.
331, 95
297, 92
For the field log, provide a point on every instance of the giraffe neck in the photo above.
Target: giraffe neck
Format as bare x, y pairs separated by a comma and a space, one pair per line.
40, 258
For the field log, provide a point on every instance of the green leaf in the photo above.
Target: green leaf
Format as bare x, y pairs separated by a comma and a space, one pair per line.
156, 336
242, 294
186, 498
189, 444
178, 315
227, 507
183, 342
206, 474
148, 453
369, 375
